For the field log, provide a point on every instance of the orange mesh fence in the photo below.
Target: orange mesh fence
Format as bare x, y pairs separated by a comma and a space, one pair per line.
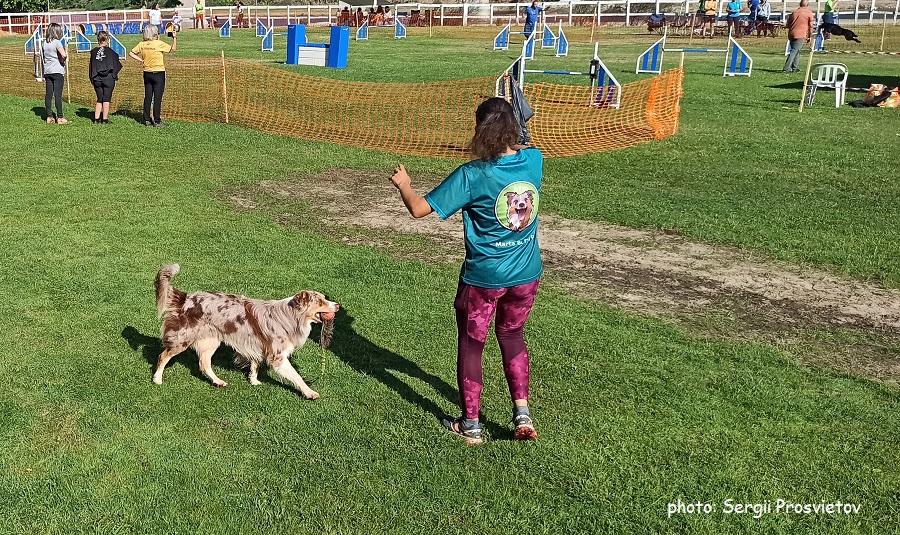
431, 119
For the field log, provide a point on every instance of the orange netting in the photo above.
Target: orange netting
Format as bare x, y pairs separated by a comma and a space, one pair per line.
431, 119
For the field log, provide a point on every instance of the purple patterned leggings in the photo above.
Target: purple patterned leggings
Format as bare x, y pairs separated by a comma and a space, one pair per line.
475, 308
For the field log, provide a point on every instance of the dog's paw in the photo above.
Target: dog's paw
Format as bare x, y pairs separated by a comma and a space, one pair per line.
220, 384
311, 395
255, 382
157, 380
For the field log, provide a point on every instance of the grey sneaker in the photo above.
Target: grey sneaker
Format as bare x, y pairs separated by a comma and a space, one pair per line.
524, 428
454, 425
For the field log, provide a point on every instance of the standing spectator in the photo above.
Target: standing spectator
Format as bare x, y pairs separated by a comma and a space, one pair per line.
387, 15
103, 72
754, 12
828, 17
150, 53
198, 16
532, 14
734, 18
499, 195
800, 29
360, 17
54, 54
762, 18
710, 10
240, 15
156, 17
379, 16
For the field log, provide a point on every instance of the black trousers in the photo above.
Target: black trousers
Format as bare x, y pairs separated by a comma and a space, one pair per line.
54, 93
104, 88
154, 85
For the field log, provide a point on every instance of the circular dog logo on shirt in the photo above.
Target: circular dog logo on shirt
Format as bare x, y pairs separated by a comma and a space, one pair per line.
517, 206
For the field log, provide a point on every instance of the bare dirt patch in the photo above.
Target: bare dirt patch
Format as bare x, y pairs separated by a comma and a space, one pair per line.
821, 318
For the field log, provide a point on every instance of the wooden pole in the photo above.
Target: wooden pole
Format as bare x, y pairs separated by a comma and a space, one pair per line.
594, 22
812, 51
68, 82
883, 27
224, 88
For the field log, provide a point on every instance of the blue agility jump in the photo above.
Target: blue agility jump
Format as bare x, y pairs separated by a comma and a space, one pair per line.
606, 91
558, 40
83, 44
737, 61
261, 29
333, 54
225, 30
33, 44
362, 33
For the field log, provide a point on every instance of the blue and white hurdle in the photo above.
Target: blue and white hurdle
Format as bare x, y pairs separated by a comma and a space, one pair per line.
225, 30
558, 40
362, 33
261, 29
606, 91
33, 44
268, 41
83, 44
737, 61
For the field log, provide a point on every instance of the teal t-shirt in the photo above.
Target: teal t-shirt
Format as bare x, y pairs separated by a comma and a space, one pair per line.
499, 202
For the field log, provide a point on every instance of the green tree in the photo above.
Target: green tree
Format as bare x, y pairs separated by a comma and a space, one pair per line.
22, 6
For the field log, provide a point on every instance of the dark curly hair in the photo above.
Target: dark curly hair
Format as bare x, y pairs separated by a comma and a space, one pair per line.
496, 129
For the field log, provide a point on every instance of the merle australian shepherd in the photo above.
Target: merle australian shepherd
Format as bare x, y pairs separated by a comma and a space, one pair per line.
261, 332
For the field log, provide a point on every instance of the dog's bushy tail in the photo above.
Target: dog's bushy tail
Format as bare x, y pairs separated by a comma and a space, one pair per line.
164, 288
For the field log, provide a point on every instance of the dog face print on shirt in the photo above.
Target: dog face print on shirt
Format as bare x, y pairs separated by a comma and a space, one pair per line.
517, 206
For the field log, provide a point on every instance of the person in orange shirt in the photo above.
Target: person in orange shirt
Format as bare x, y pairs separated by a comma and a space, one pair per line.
150, 53
800, 29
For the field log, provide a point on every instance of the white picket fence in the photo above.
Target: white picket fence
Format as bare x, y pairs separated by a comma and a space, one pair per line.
574, 12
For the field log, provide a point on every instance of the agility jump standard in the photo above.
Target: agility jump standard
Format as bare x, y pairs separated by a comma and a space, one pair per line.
606, 91
737, 61
362, 34
548, 38
83, 44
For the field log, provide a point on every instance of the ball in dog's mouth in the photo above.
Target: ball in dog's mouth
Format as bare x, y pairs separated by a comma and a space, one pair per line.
326, 316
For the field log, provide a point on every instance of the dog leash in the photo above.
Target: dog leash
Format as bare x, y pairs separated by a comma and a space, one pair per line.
324, 342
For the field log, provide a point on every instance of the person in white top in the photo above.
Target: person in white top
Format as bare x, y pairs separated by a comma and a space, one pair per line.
156, 17
240, 15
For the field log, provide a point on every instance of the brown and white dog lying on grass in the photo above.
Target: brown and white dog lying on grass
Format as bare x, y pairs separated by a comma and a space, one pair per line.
259, 331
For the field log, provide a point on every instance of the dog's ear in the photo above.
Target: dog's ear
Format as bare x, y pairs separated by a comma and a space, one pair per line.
530, 194
301, 301
509, 197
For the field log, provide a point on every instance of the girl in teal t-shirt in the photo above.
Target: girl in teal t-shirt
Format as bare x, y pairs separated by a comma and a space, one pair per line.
499, 195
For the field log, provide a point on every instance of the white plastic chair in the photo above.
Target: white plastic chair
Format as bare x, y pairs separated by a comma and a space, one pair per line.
830, 76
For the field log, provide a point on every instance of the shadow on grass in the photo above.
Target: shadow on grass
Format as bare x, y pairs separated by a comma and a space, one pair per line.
151, 347
367, 358
354, 349
85, 113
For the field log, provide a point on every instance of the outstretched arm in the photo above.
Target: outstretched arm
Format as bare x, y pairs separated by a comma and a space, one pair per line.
415, 203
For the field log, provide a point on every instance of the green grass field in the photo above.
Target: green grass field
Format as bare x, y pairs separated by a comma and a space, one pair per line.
634, 412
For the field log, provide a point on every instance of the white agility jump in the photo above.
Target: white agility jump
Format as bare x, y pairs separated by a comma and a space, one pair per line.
362, 33
606, 91
737, 61
549, 39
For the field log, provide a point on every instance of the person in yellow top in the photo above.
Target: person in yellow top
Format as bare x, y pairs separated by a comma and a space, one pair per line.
198, 16
710, 10
150, 53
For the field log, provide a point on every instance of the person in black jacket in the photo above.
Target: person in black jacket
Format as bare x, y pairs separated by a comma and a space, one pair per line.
104, 71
